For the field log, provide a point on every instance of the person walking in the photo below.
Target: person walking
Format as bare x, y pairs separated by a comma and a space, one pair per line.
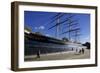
82, 51
38, 53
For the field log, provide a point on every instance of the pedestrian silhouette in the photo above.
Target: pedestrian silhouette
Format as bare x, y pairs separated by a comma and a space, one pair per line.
72, 49
82, 50
38, 53
76, 50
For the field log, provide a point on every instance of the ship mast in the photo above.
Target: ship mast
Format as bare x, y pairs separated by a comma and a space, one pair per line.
71, 26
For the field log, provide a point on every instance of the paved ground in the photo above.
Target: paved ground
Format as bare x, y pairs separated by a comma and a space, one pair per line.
59, 56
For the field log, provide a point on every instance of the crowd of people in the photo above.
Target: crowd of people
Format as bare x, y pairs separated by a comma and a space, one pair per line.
80, 51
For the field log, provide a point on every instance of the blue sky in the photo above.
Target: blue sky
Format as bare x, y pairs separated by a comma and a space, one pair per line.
40, 22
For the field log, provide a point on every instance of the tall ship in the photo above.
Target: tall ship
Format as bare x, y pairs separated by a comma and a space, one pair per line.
46, 44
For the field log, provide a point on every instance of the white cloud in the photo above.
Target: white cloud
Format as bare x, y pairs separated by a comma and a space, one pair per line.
42, 27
